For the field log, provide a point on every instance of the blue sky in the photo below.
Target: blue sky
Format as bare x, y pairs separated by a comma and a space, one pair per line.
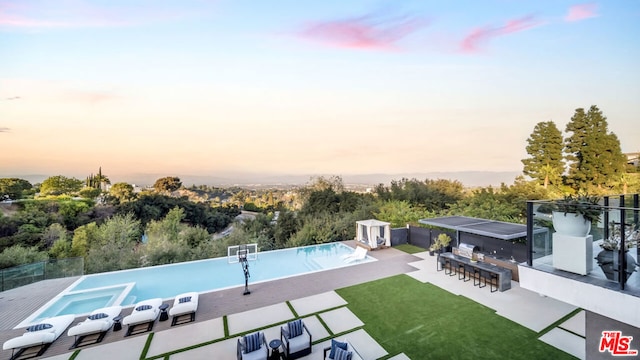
288, 87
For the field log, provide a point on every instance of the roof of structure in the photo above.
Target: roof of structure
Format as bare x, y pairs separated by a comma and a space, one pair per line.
497, 229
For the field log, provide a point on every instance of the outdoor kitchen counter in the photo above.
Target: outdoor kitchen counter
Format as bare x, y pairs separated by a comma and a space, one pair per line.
504, 274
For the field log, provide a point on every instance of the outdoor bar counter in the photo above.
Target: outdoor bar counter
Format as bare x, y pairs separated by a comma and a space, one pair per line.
503, 274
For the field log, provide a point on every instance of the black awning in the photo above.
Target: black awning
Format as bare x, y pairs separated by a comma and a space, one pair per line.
496, 229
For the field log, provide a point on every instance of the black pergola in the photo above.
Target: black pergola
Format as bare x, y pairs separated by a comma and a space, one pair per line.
483, 227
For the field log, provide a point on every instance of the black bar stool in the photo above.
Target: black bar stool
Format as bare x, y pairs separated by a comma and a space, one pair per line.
482, 277
452, 268
462, 271
471, 272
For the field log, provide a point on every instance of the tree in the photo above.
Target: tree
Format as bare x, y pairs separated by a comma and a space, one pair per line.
545, 163
18, 255
60, 185
115, 246
97, 181
400, 213
167, 184
286, 226
89, 193
13, 188
122, 191
433, 195
593, 153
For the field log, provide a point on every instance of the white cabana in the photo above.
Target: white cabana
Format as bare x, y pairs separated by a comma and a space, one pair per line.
368, 232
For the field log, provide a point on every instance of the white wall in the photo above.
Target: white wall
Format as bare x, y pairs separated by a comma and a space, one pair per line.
612, 304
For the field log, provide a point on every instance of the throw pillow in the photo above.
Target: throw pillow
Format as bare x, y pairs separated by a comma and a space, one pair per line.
342, 354
252, 342
143, 307
295, 328
184, 299
97, 316
39, 327
336, 344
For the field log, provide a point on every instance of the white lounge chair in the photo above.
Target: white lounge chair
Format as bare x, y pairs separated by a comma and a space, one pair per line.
252, 347
42, 335
358, 254
145, 312
98, 322
184, 304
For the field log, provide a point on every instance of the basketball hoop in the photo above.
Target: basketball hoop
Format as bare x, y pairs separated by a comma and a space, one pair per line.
242, 258
243, 254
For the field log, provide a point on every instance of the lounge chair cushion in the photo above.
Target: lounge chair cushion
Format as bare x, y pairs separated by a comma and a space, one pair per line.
295, 328
342, 354
336, 344
184, 304
252, 342
97, 316
39, 327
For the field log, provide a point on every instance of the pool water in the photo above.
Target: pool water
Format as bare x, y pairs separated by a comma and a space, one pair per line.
128, 287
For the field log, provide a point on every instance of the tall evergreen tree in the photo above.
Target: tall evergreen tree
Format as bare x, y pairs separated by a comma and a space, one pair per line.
594, 154
546, 163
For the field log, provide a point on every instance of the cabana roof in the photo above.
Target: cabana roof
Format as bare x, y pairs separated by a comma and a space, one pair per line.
372, 222
496, 229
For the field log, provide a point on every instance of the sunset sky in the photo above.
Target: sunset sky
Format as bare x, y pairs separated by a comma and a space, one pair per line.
304, 87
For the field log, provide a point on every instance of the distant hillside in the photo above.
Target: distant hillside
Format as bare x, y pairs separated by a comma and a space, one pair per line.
467, 178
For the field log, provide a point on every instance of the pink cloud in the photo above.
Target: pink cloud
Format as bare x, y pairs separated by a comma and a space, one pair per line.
581, 12
4, 129
366, 32
475, 39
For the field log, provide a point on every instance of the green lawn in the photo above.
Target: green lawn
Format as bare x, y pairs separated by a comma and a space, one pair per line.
409, 249
426, 322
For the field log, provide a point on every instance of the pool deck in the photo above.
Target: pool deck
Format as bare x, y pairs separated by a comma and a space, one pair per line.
519, 305
17, 304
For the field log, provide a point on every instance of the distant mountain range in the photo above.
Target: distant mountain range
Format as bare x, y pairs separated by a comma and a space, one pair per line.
467, 178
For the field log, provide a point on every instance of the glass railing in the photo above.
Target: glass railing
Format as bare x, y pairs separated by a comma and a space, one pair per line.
598, 254
29, 273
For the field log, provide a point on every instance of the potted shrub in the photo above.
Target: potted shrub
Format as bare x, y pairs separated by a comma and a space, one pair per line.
442, 241
607, 258
574, 214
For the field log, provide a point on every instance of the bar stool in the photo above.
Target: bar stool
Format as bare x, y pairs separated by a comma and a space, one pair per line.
462, 271
471, 271
451, 263
493, 281
491, 278
481, 278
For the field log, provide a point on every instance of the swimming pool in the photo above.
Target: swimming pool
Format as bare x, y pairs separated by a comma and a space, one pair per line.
127, 287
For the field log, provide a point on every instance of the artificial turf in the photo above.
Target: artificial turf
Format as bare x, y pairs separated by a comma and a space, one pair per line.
427, 322
409, 249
